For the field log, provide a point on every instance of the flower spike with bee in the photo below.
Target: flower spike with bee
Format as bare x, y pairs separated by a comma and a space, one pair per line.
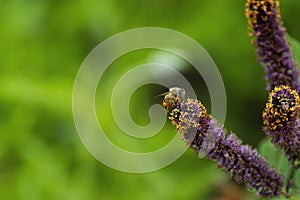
208, 138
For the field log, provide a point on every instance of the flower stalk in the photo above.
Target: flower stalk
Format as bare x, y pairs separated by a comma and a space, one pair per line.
270, 41
281, 121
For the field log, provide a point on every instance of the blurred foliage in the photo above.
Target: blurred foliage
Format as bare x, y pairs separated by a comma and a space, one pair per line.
296, 48
42, 46
278, 160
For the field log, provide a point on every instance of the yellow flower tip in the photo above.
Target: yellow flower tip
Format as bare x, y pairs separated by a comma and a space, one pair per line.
282, 107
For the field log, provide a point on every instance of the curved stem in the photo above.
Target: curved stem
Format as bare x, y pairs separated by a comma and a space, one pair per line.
290, 181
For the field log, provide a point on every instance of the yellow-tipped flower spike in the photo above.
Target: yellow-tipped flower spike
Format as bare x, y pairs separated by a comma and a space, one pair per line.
281, 122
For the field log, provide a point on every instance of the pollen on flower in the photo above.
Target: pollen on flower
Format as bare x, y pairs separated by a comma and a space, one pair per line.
208, 138
281, 122
282, 107
272, 47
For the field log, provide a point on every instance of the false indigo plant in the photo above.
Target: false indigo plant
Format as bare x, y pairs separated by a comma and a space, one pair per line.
209, 139
281, 121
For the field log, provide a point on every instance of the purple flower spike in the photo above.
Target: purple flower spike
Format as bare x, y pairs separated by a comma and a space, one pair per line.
272, 48
208, 139
281, 122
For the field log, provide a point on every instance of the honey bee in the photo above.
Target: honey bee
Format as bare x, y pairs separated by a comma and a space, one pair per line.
175, 95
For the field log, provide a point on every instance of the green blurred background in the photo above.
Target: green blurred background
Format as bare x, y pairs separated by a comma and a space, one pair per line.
43, 44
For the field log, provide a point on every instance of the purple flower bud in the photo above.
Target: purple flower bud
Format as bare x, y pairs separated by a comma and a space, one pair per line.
281, 122
272, 48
